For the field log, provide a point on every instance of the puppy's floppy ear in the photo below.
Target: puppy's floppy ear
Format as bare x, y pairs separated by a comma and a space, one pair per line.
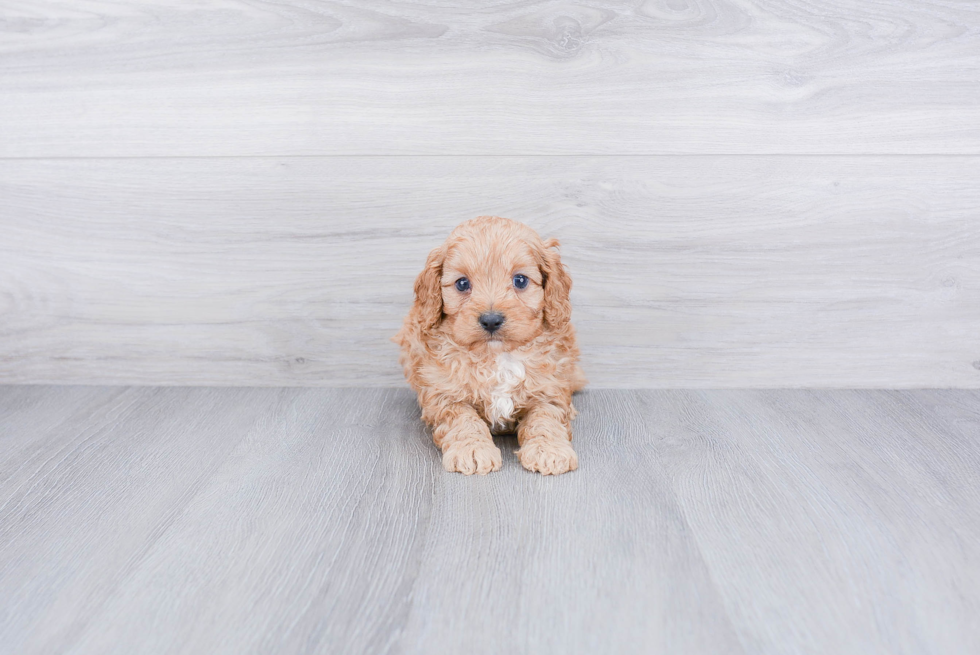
427, 310
557, 284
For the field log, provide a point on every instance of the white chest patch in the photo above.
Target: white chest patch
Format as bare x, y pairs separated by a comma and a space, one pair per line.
510, 374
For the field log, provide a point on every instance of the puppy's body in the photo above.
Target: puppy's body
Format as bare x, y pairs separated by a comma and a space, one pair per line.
517, 370
500, 384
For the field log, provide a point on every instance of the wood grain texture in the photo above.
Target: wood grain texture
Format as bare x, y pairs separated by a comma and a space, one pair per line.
856, 506
86, 78
320, 521
81, 507
689, 271
599, 563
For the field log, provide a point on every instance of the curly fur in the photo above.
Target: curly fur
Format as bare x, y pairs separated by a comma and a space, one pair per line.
471, 384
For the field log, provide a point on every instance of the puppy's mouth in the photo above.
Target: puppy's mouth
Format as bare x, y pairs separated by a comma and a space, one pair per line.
494, 340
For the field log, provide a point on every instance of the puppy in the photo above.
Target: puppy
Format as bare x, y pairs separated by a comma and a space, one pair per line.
488, 347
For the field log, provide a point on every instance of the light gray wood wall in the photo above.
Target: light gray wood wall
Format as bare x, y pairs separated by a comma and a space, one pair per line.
241, 193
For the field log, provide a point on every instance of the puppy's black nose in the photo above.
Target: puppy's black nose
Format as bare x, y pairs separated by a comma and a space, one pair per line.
491, 321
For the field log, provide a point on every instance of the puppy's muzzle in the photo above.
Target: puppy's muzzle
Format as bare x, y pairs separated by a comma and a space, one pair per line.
491, 321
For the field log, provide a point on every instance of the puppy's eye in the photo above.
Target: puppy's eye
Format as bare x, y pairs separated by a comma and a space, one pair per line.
462, 285
520, 281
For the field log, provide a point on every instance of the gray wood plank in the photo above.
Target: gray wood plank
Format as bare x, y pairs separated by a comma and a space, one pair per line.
598, 563
689, 271
81, 508
149, 78
29, 414
843, 522
332, 528
307, 539
316, 520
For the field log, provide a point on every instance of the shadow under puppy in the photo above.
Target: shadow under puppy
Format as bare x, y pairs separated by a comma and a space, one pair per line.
488, 345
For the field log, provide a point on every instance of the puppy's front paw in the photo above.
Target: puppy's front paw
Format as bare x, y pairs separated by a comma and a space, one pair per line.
548, 457
469, 457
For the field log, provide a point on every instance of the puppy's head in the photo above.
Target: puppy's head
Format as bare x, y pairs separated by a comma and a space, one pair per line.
494, 281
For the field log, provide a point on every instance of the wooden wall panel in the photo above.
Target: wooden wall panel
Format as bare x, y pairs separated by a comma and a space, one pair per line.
87, 78
713, 271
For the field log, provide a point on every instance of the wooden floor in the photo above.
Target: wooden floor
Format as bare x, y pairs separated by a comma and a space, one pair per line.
250, 520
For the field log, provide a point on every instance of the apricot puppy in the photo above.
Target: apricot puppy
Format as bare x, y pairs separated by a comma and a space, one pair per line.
488, 346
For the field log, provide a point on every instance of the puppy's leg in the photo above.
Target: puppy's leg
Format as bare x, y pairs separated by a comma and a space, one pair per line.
465, 441
545, 440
